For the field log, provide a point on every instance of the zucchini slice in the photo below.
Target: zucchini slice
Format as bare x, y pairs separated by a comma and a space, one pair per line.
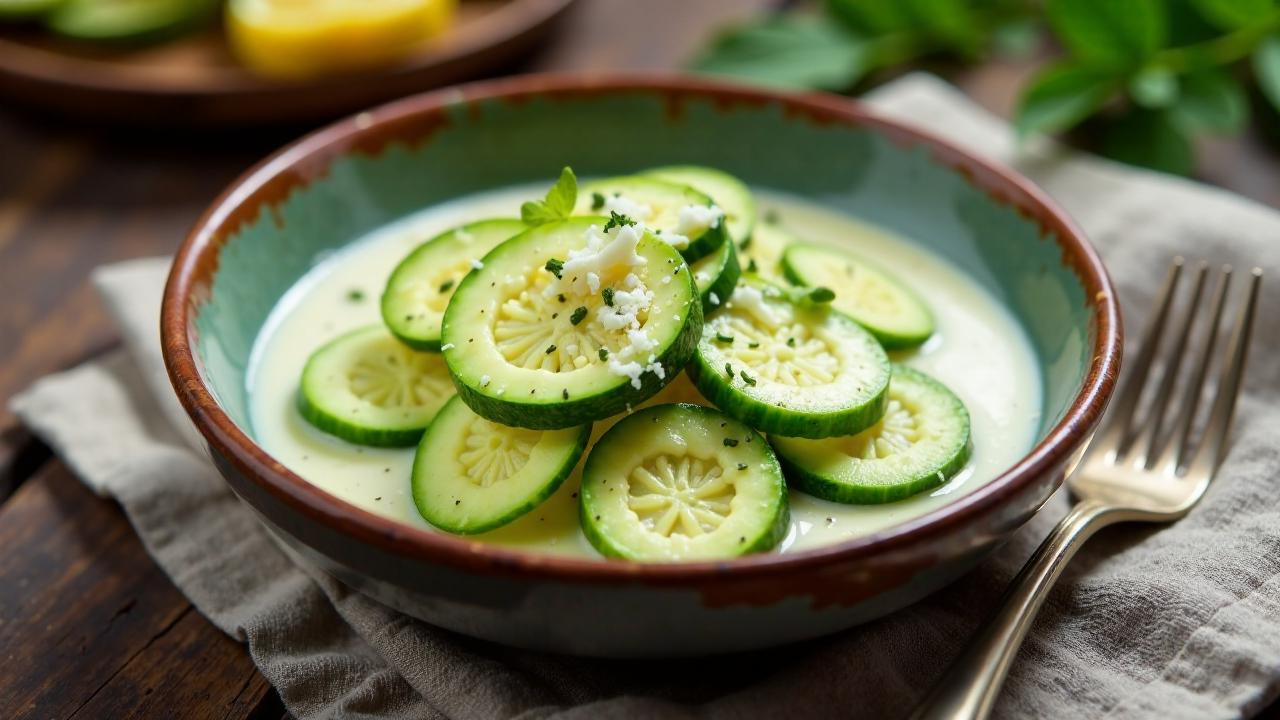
420, 287
788, 368
127, 20
569, 323
682, 482
368, 388
685, 218
921, 442
471, 475
731, 194
761, 254
715, 276
879, 302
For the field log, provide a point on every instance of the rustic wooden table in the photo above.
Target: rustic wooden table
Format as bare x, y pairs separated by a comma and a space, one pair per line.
89, 626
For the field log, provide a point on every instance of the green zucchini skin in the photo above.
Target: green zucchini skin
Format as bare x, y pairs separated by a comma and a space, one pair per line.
715, 293
736, 397
864, 489
129, 21
426, 467
552, 409
600, 464
418, 327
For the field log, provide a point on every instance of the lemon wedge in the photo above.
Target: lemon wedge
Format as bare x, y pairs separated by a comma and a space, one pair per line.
301, 39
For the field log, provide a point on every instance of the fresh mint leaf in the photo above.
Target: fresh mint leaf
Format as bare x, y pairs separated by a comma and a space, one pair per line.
950, 22
1266, 69
788, 51
1149, 138
558, 203
872, 17
1232, 14
1154, 87
1112, 33
1212, 101
1060, 96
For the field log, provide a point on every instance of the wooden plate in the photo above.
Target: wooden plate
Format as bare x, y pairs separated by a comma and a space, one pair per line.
195, 81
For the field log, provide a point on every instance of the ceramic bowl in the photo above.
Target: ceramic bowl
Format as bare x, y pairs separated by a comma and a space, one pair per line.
339, 183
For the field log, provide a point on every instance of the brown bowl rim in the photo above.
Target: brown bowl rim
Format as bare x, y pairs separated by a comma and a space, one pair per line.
192, 263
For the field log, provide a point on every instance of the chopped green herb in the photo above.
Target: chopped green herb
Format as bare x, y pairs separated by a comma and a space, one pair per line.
607, 294
721, 337
604, 353
555, 267
745, 244
753, 345
597, 201
822, 295
551, 349
355, 295
728, 370
791, 342
562, 298
751, 266
731, 442
747, 378
565, 393
579, 314
446, 286
617, 220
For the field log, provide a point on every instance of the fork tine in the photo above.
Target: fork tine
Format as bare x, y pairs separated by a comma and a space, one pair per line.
1175, 453
1113, 437
1155, 416
1213, 444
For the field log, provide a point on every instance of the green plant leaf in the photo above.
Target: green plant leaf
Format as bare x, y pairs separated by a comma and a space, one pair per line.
1266, 69
951, 22
1149, 138
1232, 14
1154, 87
788, 51
1017, 39
558, 203
872, 17
1119, 33
1211, 101
1060, 96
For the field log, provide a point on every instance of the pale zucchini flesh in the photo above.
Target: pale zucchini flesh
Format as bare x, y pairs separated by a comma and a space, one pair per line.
471, 475
761, 254
682, 482
731, 194
368, 388
922, 441
662, 203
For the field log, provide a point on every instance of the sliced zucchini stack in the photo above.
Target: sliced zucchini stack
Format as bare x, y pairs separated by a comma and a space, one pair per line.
728, 192
420, 287
686, 219
367, 388
471, 475
790, 368
922, 440
569, 322
682, 482
888, 309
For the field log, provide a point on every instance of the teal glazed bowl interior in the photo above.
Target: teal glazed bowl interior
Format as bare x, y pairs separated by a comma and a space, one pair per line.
346, 180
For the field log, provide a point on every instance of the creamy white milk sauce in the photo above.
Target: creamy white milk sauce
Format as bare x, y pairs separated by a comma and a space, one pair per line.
979, 351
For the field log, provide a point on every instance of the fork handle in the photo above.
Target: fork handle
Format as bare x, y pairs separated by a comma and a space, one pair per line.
969, 689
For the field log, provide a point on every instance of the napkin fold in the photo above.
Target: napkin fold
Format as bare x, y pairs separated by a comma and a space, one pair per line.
1180, 621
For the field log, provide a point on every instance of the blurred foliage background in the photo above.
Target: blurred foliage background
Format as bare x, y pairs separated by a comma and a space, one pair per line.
1136, 80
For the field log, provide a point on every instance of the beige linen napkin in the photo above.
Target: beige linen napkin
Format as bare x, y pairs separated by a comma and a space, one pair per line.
1172, 622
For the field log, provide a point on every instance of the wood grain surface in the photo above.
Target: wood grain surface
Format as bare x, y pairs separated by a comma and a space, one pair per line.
89, 626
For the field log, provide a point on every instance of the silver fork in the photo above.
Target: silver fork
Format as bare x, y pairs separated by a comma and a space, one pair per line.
1133, 472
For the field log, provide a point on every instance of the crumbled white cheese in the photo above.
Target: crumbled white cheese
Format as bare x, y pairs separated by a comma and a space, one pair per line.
571, 348
500, 391
752, 300
604, 254
635, 210
484, 381
593, 282
446, 346
666, 279
476, 264
695, 219
715, 299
